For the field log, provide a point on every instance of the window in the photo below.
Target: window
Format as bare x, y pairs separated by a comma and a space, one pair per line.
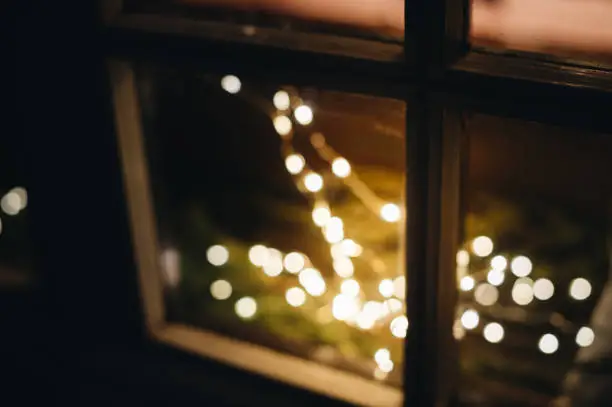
309, 208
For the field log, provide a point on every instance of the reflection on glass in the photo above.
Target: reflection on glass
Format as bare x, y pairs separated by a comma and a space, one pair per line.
378, 19
560, 27
532, 319
280, 215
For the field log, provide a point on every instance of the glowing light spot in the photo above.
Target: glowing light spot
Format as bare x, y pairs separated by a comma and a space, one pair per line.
321, 215
585, 337
341, 167
350, 248
11, 203
482, 246
334, 230
344, 307
390, 213
295, 163
458, 330
343, 266
231, 84
543, 289
217, 255
463, 258
521, 266
386, 288
281, 100
548, 344
399, 326
580, 289
467, 283
350, 288
294, 262
258, 255
313, 182
312, 281
399, 287
221, 290
274, 264
470, 319
282, 125
486, 294
382, 355
171, 266
295, 296
386, 366
246, 307
394, 305
303, 115
493, 332
499, 263
522, 292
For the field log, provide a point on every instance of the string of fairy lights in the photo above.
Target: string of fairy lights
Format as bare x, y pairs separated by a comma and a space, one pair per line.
481, 273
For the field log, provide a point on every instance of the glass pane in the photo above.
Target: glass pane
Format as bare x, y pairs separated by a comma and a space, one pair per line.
280, 215
376, 19
535, 295
561, 27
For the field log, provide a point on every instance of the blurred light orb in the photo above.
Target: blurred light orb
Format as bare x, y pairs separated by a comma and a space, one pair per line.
585, 337
399, 326
312, 281
399, 287
294, 262
295, 296
343, 266
11, 203
467, 283
493, 332
281, 100
303, 115
258, 255
496, 277
350, 287
486, 294
458, 330
295, 163
231, 84
386, 366
246, 307
394, 305
548, 344
543, 289
282, 125
341, 167
350, 248
274, 264
521, 266
482, 246
221, 290
217, 255
334, 230
463, 258
470, 319
580, 289
321, 215
499, 263
390, 212
382, 355
386, 288
522, 293
344, 307
313, 182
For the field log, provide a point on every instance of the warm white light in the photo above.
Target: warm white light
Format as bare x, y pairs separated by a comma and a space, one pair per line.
313, 182
522, 292
386, 288
281, 100
399, 326
486, 294
11, 203
496, 277
334, 230
341, 167
580, 289
350, 287
321, 215
282, 125
521, 266
493, 332
23, 195
379, 374
295, 296
246, 307
343, 266
303, 115
548, 344
482, 246
382, 355
231, 84
499, 263
390, 212
386, 366
543, 289
344, 307
295, 163
463, 258
221, 290
585, 337
394, 305
350, 248
294, 262
312, 281
374, 309
217, 255
470, 319
399, 287
258, 255
365, 321
274, 264
458, 330
170, 266
467, 283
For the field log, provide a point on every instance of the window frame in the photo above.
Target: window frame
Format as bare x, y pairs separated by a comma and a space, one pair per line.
440, 77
